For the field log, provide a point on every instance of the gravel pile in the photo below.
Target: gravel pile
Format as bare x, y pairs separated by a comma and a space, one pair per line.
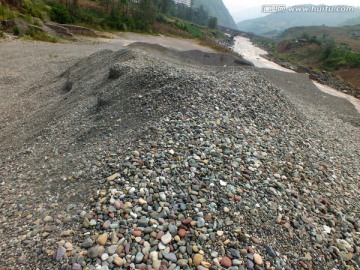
150, 164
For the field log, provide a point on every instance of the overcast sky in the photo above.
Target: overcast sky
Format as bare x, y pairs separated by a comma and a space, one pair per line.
236, 6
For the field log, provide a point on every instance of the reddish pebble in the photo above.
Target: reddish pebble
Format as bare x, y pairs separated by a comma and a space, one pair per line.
127, 249
251, 250
182, 233
120, 250
161, 220
208, 217
163, 267
159, 235
226, 262
187, 221
255, 240
140, 163
118, 205
112, 215
237, 198
106, 224
137, 233
287, 225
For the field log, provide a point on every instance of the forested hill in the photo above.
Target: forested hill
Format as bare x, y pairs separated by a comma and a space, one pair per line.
216, 8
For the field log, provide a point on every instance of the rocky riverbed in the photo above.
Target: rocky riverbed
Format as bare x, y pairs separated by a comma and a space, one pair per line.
323, 77
134, 161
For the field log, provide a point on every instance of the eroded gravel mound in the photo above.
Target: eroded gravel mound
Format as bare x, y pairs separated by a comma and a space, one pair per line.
197, 57
129, 161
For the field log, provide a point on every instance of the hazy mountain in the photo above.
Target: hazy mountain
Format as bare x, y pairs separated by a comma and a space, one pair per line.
352, 21
277, 22
248, 13
217, 9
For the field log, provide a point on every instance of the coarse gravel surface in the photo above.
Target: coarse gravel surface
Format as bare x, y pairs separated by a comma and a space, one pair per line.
124, 159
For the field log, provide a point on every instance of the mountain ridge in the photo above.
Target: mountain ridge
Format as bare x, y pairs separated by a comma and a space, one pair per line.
275, 23
217, 8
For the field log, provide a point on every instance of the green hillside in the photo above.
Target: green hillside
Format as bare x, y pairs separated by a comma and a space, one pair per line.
216, 8
38, 20
348, 36
353, 21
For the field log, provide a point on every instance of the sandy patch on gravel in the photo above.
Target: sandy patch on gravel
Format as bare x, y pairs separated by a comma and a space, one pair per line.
124, 39
331, 91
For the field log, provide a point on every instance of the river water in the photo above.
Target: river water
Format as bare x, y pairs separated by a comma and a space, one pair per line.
254, 54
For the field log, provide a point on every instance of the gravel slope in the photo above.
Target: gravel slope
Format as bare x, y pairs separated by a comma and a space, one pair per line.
124, 160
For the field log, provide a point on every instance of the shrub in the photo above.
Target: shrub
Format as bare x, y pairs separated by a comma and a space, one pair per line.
28, 18
16, 30
114, 21
33, 7
130, 23
38, 22
212, 22
6, 13
88, 16
181, 25
39, 35
315, 40
194, 31
60, 14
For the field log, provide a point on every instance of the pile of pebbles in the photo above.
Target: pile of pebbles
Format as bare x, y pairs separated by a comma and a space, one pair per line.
226, 174
224, 181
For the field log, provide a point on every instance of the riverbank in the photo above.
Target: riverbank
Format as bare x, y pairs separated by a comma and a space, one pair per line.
324, 77
261, 59
130, 159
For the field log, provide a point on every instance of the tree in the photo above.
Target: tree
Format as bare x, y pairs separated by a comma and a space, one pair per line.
201, 16
146, 13
212, 22
165, 6
74, 7
60, 14
124, 6
328, 49
305, 36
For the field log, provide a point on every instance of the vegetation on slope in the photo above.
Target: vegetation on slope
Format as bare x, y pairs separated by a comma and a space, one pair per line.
152, 16
347, 34
329, 48
320, 48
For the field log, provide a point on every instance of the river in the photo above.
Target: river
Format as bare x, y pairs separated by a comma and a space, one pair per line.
254, 54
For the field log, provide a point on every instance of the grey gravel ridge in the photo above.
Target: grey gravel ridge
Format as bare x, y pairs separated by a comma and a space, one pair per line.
132, 161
